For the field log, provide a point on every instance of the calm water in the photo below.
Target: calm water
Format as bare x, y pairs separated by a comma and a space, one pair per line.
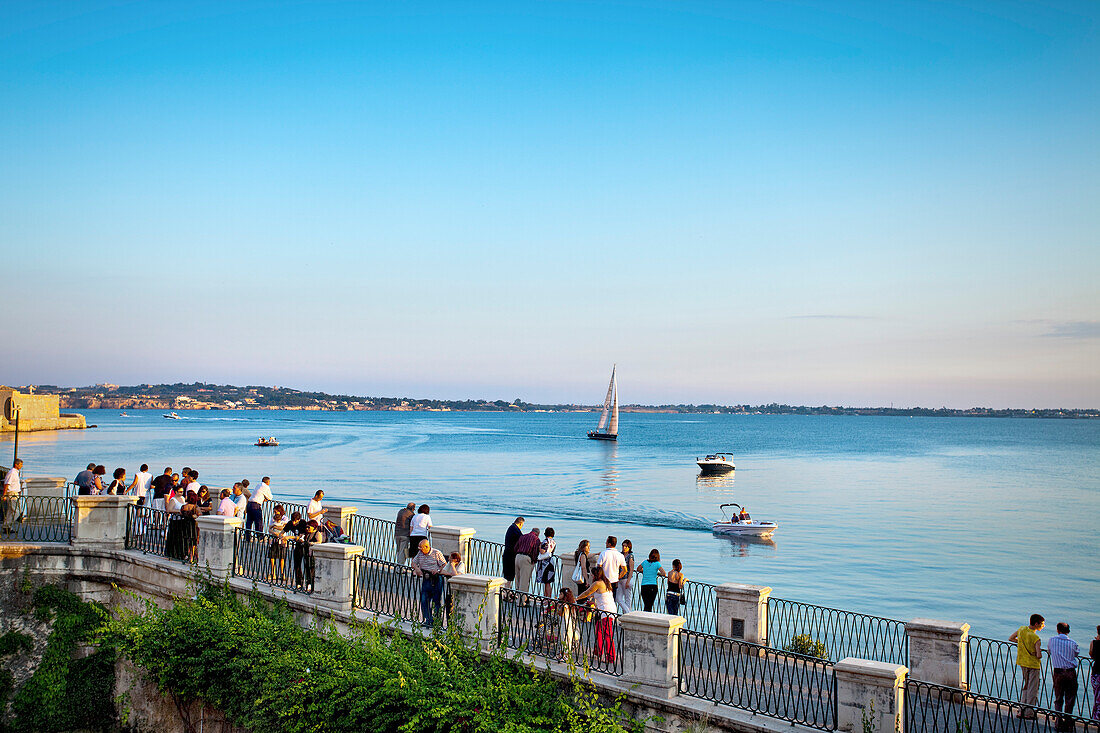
977, 520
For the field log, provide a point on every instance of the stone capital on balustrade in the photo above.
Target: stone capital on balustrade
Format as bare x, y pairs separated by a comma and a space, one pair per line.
339, 514
333, 574
100, 520
476, 605
452, 539
869, 690
937, 651
216, 543
651, 649
743, 611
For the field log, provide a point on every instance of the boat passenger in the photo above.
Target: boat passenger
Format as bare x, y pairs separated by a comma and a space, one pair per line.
744, 515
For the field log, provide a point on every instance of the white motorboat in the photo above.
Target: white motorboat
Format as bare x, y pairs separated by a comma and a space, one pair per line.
716, 463
734, 526
172, 416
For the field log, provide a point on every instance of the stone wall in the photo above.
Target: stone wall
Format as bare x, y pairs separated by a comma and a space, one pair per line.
36, 412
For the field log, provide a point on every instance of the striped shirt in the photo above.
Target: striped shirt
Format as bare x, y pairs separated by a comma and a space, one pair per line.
1063, 652
431, 563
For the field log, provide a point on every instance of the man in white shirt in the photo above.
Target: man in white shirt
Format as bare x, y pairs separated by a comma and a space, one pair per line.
139, 487
314, 510
240, 499
612, 562
226, 507
9, 498
253, 513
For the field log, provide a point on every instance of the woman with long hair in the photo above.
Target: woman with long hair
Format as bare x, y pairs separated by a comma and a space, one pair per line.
580, 558
601, 593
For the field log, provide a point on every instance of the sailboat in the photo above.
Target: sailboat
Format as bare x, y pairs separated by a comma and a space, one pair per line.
608, 429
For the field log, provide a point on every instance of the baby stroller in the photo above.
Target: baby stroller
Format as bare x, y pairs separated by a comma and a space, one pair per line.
334, 533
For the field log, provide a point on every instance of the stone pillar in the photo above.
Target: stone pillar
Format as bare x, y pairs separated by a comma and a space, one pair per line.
873, 691
333, 574
452, 539
743, 612
651, 651
100, 520
937, 651
339, 514
215, 547
40, 486
476, 605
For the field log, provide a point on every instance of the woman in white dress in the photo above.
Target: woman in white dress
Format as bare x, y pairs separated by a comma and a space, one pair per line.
601, 594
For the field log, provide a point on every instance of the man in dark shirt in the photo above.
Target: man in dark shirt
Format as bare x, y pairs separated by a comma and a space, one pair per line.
85, 480
508, 561
162, 486
401, 531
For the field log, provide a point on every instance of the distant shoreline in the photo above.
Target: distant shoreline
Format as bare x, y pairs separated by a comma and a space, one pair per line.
202, 396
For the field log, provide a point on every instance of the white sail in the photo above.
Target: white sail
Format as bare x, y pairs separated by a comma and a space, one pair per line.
606, 414
613, 426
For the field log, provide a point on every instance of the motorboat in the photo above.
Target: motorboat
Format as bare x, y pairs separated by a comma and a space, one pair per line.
172, 416
267, 441
716, 463
123, 414
734, 526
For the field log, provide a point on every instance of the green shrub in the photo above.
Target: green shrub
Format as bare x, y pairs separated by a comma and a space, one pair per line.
67, 694
254, 662
13, 642
807, 645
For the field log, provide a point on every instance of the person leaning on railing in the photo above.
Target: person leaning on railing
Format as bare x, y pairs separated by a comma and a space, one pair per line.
600, 591
1029, 649
9, 498
429, 565
1063, 660
1094, 654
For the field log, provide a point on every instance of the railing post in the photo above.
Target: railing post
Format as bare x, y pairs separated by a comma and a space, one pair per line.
568, 565
452, 539
476, 607
43, 486
215, 547
869, 691
937, 651
339, 514
333, 574
743, 612
100, 520
651, 651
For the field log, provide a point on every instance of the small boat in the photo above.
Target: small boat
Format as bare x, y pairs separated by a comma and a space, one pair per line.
172, 416
123, 414
733, 526
715, 463
608, 427
267, 441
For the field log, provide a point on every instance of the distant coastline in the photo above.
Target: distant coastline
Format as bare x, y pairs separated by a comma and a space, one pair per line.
202, 396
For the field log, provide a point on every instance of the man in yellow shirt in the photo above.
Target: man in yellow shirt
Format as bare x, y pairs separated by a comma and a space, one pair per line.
1029, 659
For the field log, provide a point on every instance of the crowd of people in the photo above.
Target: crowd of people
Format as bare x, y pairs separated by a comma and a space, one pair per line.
1063, 653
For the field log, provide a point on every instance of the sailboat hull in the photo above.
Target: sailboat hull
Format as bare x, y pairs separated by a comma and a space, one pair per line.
602, 436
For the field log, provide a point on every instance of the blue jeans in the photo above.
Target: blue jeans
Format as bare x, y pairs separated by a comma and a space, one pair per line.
431, 594
254, 517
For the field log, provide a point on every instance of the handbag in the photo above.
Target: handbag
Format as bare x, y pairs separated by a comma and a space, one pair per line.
578, 574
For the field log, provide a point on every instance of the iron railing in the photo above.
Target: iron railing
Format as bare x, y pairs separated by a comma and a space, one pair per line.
484, 557
933, 708
578, 634
792, 687
267, 509
281, 562
157, 532
38, 519
991, 670
391, 589
698, 603
794, 626
375, 535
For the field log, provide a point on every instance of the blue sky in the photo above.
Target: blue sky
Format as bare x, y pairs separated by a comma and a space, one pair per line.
831, 202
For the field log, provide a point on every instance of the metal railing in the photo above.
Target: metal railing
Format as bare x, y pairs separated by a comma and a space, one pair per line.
375, 535
578, 634
698, 603
37, 519
484, 557
267, 509
792, 687
157, 532
390, 589
934, 709
280, 562
991, 670
844, 633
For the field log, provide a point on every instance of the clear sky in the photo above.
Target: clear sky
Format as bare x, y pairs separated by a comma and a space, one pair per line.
807, 202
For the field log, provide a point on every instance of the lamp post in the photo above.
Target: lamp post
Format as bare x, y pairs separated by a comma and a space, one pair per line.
16, 456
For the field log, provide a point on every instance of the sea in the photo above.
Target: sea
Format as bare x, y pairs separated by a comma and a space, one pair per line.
982, 520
